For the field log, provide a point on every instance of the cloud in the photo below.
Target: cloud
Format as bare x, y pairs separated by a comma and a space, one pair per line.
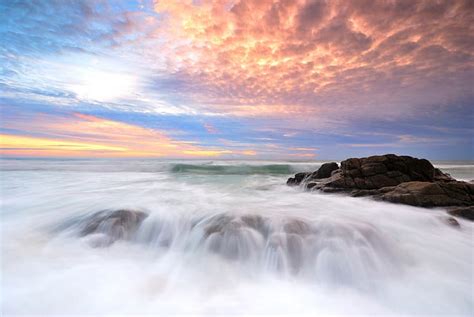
315, 58
85, 135
210, 128
298, 74
319, 56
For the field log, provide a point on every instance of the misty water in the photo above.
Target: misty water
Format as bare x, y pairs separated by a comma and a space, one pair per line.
222, 237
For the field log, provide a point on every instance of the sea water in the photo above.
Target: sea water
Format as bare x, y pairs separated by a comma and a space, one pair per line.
314, 254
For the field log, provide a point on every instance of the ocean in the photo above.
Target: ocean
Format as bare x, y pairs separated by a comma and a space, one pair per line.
316, 253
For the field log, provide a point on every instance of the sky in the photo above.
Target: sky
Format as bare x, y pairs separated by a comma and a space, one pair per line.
237, 79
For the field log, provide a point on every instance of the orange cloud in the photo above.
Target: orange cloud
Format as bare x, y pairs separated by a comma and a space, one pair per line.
248, 152
84, 135
307, 155
310, 149
292, 57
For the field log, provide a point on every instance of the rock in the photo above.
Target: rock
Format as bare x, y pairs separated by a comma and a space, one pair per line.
113, 225
296, 226
255, 222
442, 177
299, 177
325, 170
233, 237
426, 194
364, 192
392, 178
452, 222
219, 224
374, 172
311, 185
463, 212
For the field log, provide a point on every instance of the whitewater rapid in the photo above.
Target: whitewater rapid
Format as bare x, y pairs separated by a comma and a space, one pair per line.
222, 238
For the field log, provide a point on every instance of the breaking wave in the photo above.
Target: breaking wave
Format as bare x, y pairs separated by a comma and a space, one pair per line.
241, 169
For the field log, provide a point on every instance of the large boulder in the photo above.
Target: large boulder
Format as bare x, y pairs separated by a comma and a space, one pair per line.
372, 172
380, 171
392, 178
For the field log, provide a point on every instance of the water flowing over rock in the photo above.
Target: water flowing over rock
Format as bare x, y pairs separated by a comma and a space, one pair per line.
218, 242
107, 226
323, 172
392, 178
283, 245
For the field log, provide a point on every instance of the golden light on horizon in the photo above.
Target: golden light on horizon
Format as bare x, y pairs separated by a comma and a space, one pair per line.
84, 135
19, 144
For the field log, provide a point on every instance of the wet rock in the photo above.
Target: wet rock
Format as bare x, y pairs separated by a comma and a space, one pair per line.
423, 194
364, 192
218, 224
393, 178
311, 185
426, 194
299, 177
255, 222
442, 177
463, 212
375, 172
296, 226
112, 225
325, 170
452, 222
233, 237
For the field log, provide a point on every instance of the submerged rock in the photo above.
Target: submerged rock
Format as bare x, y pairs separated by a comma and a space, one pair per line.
108, 226
392, 178
452, 222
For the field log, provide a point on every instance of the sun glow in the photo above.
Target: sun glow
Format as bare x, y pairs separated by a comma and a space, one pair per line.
104, 86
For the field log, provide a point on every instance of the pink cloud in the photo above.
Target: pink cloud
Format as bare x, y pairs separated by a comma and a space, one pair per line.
306, 57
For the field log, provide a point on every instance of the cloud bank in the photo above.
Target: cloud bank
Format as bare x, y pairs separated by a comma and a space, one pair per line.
264, 78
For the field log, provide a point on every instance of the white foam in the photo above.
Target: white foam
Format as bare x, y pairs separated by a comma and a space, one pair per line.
362, 257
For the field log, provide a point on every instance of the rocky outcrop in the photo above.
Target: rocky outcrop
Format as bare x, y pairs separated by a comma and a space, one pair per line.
392, 178
375, 172
107, 226
323, 172
299, 177
431, 194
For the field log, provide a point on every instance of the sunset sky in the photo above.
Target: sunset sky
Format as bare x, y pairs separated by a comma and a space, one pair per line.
237, 79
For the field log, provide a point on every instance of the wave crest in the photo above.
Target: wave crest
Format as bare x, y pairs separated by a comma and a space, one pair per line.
241, 169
